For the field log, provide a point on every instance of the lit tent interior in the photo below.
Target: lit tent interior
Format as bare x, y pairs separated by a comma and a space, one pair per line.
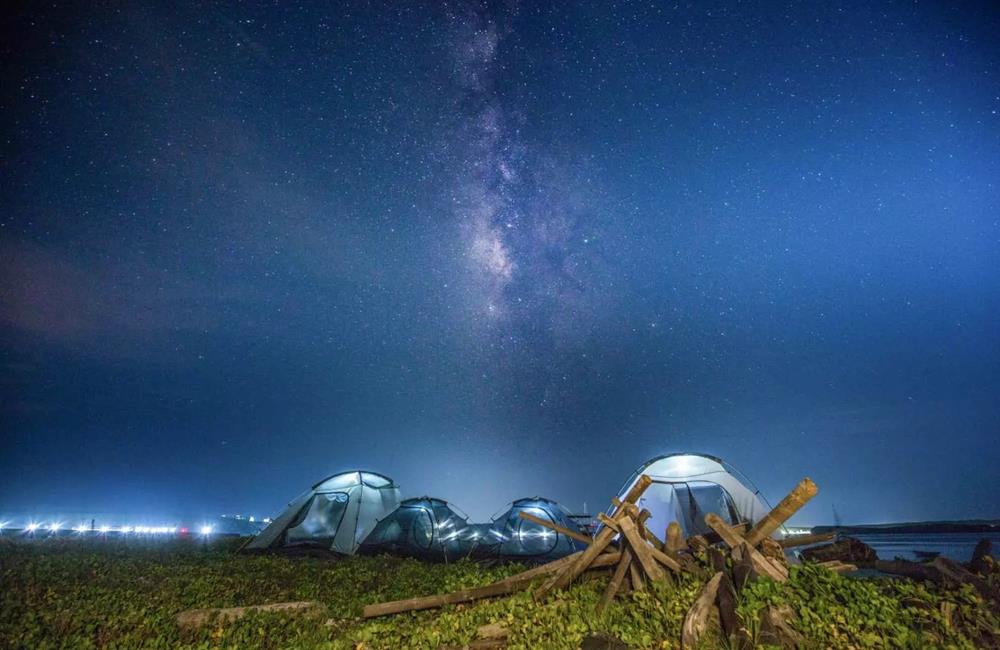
425, 528
688, 486
336, 514
361, 512
510, 536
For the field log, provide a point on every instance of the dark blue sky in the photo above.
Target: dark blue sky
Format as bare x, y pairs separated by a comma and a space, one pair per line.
496, 251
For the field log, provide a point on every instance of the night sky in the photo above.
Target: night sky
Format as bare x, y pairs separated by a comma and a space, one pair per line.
496, 251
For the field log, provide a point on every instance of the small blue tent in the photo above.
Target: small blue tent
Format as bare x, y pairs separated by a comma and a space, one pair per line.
513, 538
425, 528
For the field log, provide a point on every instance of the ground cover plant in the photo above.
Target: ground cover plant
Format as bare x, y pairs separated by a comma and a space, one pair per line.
77, 593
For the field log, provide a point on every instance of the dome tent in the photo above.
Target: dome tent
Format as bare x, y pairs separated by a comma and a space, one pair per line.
511, 537
688, 486
425, 528
335, 514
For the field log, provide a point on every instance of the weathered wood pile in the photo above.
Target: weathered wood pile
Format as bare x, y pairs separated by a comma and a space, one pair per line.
728, 557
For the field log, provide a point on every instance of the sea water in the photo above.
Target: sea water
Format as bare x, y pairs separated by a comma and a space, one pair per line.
954, 546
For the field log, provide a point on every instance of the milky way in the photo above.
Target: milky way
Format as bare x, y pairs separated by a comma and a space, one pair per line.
499, 249
531, 238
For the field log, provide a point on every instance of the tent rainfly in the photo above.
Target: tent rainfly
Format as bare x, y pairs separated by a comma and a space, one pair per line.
688, 486
335, 514
516, 538
425, 528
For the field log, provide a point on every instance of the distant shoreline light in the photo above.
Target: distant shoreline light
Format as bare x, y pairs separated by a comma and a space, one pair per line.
56, 527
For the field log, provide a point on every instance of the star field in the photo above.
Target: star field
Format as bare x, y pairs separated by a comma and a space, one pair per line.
501, 249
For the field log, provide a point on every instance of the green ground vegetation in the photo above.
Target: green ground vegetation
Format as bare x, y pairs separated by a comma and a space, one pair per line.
75, 593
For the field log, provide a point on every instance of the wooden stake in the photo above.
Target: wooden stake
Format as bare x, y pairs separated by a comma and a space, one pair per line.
636, 575
616, 580
675, 537
641, 549
724, 530
606, 560
726, 601
568, 574
697, 543
763, 565
666, 560
580, 537
743, 571
608, 521
646, 533
713, 538
716, 559
788, 506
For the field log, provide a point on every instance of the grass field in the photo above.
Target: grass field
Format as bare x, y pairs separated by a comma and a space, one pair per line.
125, 594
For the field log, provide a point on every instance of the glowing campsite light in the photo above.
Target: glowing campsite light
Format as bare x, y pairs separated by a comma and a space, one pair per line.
32, 527
105, 529
54, 527
82, 528
206, 530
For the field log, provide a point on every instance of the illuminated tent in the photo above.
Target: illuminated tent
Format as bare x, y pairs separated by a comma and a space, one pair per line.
511, 537
335, 514
686, 487
425, 528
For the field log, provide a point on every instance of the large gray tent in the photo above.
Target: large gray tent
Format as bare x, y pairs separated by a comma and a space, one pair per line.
686, 487
336, 514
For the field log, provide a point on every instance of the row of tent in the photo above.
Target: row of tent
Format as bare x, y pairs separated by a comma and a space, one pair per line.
360, 512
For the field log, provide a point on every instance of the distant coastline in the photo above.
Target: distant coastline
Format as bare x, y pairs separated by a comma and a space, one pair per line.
966, 526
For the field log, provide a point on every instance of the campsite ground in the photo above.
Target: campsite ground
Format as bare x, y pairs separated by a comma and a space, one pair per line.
124, 594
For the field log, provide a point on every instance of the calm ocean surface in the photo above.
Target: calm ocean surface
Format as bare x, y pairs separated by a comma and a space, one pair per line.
955, 546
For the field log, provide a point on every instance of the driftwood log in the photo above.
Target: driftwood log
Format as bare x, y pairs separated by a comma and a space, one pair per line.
501, 588
838, 566
195, 618
846, 549
805, 540
699, 617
